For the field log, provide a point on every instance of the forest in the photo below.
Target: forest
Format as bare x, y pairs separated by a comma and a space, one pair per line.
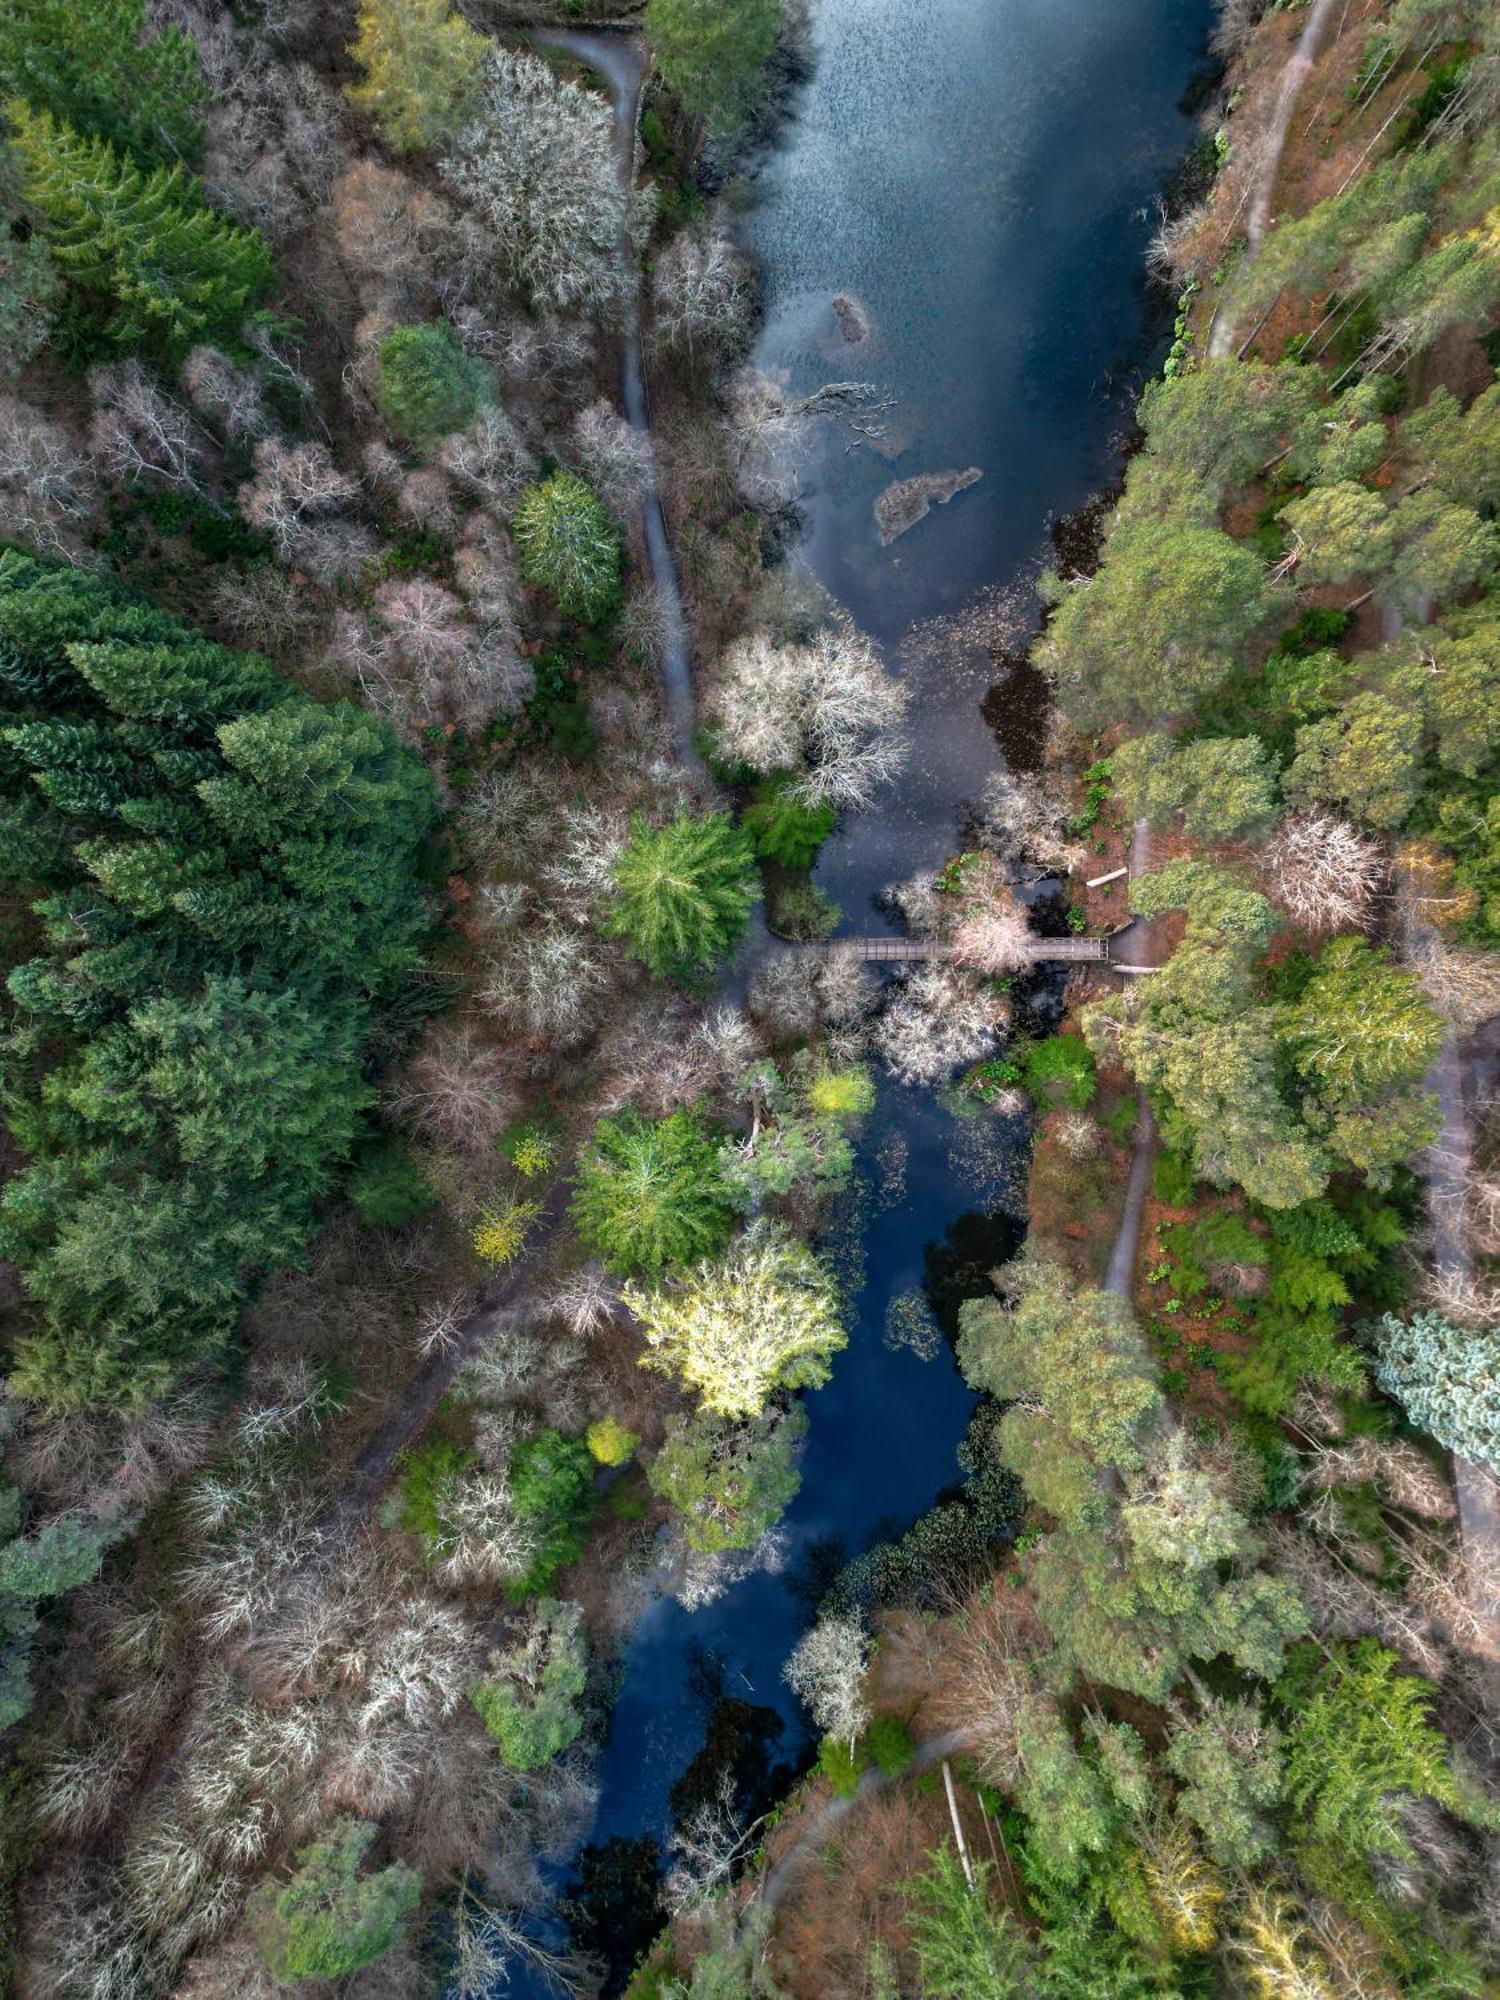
438, 1107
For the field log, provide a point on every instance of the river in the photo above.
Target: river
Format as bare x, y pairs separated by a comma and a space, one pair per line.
980, 178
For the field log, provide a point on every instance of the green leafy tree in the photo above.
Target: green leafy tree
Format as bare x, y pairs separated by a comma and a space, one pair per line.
1218, 424
1446, 1378
1462, 691
1075, 1371
1362, 1035
552, 1488
569, 546
1072, 1816
528, 1696
92, 64
1440, 550
1338, 441
730, 1482
1221, 785
683, 893
1360, 1737
329, 1920
1229, 1758
150, 265
423, 66
1459, 450
1340, 532
765, 1317
428, 385
967, 1943
1201, 1035
712, 54
1367, 757
650, 1195
1159, 626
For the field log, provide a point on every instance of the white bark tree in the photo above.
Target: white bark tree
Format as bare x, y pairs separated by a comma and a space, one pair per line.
700, 299
537, 166
827, 1672
1322, 872
826, 709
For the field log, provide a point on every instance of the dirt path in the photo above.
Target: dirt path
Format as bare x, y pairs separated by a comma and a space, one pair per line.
825, 1820
1447, 1165
1134, 947
375, 1464
621, 60
1263, 187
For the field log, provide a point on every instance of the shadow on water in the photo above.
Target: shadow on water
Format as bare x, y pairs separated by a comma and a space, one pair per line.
981, 176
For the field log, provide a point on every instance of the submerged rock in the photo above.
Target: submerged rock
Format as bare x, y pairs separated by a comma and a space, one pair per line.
853, 319
907, 501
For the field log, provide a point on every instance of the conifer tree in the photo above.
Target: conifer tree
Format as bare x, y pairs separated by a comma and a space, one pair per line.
92, 64
232, 878
683, 893
150, 264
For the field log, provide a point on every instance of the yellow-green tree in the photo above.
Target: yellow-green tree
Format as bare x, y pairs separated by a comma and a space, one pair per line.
421, 62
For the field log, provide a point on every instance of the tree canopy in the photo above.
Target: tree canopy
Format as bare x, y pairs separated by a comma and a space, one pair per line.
225, 874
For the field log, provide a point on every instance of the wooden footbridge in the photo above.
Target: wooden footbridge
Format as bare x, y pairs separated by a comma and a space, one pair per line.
917, 951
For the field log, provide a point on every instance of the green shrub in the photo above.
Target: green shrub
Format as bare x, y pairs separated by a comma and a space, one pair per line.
568, 546
610, 1442
552, 1486
888, 1742
428, 385
329, 1920
1060, 1071
1173, 1178
528, 1698
799, 910
841, 1766
782, 827
428, 1469
387, 1188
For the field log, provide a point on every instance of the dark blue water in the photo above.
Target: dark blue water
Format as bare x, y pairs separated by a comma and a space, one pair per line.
981, 175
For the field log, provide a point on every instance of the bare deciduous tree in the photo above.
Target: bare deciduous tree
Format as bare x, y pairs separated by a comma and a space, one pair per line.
457, 1091
138, 432
391, 230
230, 396
937, 1020
46, 484
700, 299
827, 1673
293, 486
616, 458
1321, 872
537, 167
826, 709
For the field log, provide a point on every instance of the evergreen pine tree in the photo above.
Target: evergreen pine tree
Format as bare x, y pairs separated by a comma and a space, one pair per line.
151, 265
92, 64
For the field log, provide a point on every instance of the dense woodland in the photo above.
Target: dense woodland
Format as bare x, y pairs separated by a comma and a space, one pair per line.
415, 1259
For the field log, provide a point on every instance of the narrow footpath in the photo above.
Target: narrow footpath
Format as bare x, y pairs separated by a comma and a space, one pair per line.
1263, 185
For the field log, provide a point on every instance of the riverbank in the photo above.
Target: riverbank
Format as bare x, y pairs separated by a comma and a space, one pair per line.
1248, 1311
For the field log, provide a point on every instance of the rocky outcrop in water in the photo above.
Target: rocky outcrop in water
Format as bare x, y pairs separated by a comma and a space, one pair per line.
907, 501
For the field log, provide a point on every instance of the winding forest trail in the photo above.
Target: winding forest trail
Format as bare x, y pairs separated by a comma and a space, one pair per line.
620, 58
824, 1821
1448, 1164
1263, 187
1133, 947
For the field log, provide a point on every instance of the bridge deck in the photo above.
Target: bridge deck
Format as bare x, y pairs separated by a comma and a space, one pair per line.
914, 951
